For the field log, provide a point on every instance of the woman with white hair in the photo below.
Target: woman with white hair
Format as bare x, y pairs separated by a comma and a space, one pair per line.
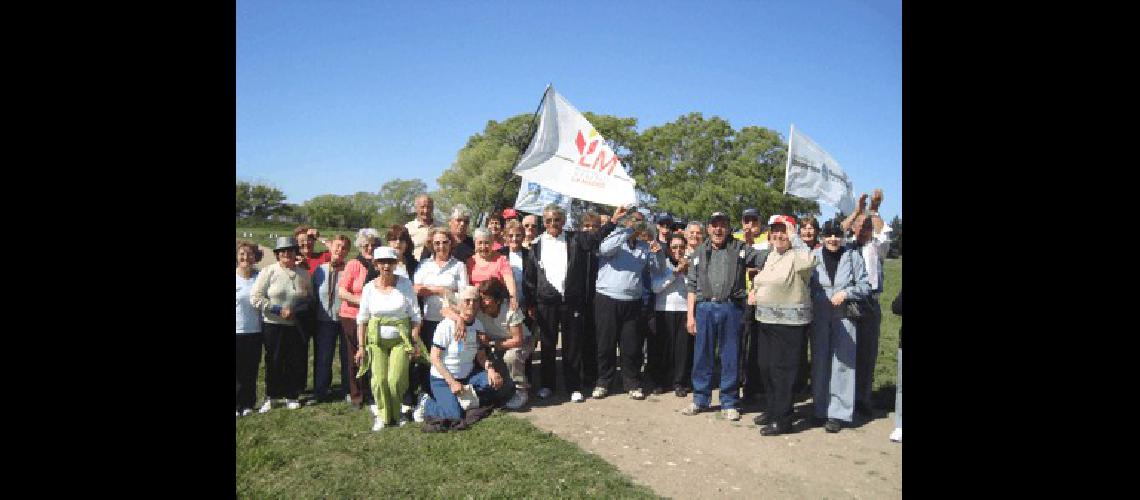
350, 287
436, 281
457, 364
487, 263
388, 325
279, 292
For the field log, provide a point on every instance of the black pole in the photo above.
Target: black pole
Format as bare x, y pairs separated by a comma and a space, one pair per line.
530, 133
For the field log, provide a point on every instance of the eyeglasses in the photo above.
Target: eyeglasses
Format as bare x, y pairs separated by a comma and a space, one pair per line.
440, 243
529, 225
553, 220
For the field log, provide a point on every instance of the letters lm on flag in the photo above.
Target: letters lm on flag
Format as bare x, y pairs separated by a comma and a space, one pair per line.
567, 155
813, 174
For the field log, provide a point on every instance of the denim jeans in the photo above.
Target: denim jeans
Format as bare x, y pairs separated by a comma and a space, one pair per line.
718, 328
444, 404
325, 342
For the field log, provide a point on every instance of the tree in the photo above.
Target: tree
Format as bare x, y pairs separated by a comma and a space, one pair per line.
896, 237
330, 210
400, 194
259, 200
695, 166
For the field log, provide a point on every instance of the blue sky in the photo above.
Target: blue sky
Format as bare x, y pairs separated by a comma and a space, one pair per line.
339, 97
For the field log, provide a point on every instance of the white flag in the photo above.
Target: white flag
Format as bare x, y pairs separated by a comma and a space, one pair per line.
567, 155
534, 196
815, 175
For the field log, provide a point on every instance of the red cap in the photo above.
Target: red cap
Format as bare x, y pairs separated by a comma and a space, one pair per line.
510, 213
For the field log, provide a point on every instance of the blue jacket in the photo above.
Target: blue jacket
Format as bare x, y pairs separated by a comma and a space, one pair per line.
850, 275
623, 272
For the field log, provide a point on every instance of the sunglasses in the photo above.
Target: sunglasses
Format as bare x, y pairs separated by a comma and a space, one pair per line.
440, 243
529, 225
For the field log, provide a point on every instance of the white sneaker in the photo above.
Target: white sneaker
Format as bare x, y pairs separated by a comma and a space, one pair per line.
405, 408
375, 410
377, 424
421, 408
730, 414
238, 414
599, 393
636, 394
896, 435
348, 398
545, 393
517, 401
577, 397
403, 421
247, 412
292, 404
267, 406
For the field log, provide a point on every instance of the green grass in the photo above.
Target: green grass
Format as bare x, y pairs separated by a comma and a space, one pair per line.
886, 366
330, 450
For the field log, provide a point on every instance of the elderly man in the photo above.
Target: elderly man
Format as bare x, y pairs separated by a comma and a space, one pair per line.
419, 227
462, 245
556, 293
694, 236
872, 239
625, 266
716, 298
530, 230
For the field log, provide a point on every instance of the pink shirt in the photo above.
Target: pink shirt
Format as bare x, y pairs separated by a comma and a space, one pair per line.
498, 268
353, 281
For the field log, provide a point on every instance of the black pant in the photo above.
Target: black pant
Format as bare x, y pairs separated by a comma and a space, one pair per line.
307, 325
805, 365
659, 349
248, 350
588, 342
754, 366
284, 361
617, 321
567, 319
671, 331
418, 372
781, 345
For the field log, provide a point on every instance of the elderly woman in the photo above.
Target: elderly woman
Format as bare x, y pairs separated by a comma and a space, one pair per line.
325, 278
495, 226
349, 288
781, 292
437, 279
672, 345
399, 239
506, 333
249, 338
387, 323
487, 263
457, 361
280, 292
839, 276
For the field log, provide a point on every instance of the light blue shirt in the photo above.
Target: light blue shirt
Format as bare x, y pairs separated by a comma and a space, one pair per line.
623, 272
248, 318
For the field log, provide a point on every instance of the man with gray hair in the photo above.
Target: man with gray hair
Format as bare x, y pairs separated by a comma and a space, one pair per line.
462, 245
420, 227
555, 293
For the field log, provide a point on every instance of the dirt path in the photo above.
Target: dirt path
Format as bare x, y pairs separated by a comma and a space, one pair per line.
704, 456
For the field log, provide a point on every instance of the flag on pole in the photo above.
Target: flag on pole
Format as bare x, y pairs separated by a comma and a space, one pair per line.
534, 196
813, 174
568, 156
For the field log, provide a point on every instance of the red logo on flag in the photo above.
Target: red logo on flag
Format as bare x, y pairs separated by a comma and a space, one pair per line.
599, 162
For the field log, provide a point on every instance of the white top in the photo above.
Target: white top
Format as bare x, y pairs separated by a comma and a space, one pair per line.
874, 262
498, 327
451, 276
248, 318
397, 303
553, 260
402, 270
457, 357
669, 289
517, 269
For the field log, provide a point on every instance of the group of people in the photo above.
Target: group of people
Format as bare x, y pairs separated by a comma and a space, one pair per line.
455, 317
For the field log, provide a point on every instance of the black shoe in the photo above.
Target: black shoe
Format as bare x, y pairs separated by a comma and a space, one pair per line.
774, 428
680, 391
762, 419
833, 425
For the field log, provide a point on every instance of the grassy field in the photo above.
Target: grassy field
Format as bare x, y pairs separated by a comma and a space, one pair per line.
329, 449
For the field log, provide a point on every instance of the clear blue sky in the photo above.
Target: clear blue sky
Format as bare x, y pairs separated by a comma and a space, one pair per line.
340, 97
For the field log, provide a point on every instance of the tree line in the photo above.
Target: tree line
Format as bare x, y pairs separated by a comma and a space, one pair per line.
689, 167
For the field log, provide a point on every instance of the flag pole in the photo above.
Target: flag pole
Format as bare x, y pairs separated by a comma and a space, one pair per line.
788, 166
530, 133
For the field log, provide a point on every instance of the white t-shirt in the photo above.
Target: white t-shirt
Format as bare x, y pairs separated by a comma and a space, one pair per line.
457, 357
248, 318
498, 328
398, 303
517, 269
553, 260
452, 276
